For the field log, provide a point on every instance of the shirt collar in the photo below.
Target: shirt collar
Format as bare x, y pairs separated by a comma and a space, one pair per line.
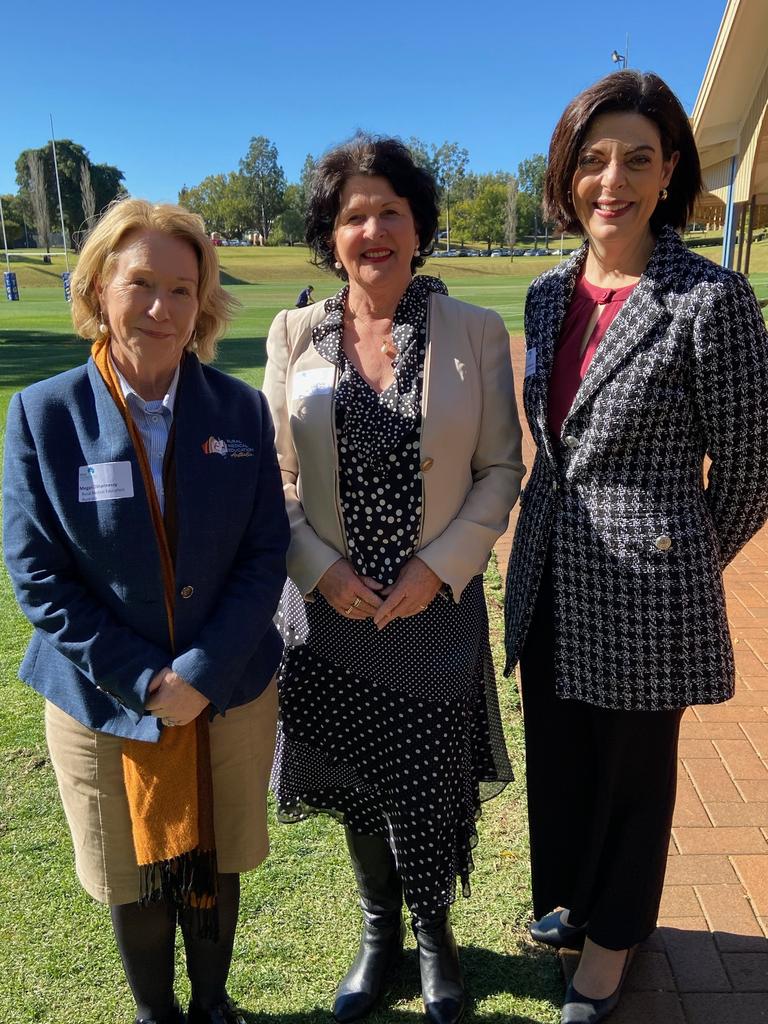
125, 387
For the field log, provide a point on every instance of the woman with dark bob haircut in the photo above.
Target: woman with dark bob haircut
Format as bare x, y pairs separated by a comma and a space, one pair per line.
642, 359
399, 445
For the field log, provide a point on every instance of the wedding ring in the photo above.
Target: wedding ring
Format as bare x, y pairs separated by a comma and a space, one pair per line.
167, 721
357, 602
349, 610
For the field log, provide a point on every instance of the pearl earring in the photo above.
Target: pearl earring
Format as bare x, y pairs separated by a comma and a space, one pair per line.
337, 265
103, 329
417, 252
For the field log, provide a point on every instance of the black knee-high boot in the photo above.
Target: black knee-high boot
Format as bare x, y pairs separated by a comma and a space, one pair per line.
381, 944
145, 937
442, 986
208, 962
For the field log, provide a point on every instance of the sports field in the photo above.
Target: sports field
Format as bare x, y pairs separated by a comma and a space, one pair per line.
298, 924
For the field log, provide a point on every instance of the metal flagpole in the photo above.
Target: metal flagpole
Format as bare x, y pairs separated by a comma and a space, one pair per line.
9, 278
65, 275
5, 241
58, 190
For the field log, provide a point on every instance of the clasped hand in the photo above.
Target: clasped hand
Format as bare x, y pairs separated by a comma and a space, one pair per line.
173, 699
359, 597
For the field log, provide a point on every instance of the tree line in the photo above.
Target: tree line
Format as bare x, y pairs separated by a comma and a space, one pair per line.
32, 214
494, 208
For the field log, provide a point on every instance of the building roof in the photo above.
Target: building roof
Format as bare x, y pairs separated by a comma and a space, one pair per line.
729, 117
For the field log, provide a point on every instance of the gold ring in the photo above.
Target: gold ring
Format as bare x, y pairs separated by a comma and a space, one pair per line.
349, 610
167, 721
357, 602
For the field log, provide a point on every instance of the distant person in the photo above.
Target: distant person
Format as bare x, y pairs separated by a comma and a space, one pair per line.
642, 358
399, 444
150, 562
305, 297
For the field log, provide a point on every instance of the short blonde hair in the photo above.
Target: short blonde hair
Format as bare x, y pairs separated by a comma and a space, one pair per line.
99, 254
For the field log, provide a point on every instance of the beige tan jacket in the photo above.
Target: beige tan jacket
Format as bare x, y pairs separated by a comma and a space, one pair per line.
470, 441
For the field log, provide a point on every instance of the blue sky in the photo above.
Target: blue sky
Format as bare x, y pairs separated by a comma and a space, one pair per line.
172, 92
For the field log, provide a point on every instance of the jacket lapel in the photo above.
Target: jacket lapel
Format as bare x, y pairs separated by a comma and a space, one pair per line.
129, 520
113, 433
548, 314
636, 320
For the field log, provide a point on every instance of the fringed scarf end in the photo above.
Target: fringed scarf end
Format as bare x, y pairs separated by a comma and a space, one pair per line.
190, 883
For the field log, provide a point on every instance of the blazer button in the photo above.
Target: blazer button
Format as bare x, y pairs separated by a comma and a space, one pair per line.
187, 592
426, 465
571, 441
663, 543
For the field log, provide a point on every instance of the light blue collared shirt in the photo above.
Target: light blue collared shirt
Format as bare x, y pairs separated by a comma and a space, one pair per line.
153, 421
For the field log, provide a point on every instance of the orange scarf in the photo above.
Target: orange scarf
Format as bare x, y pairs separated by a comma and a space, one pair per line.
168, 783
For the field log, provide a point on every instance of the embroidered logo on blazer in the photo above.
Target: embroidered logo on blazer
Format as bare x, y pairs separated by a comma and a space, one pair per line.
231, 448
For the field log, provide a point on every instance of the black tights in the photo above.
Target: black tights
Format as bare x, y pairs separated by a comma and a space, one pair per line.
146, 938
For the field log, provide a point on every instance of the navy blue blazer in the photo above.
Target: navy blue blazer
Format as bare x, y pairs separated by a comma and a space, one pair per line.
87, 574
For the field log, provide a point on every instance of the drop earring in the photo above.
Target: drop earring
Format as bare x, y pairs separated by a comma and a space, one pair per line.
663, 195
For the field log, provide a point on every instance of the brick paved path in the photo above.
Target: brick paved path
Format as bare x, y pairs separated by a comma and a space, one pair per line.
708, 961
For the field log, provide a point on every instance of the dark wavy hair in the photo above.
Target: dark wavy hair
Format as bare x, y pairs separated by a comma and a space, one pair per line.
377, 157
634, 92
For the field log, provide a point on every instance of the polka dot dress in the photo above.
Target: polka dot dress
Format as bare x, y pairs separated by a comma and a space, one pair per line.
395, 733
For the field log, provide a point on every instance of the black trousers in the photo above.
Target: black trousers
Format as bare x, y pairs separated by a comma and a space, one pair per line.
601, 794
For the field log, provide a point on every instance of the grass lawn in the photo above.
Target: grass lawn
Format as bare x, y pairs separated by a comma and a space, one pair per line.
299, 924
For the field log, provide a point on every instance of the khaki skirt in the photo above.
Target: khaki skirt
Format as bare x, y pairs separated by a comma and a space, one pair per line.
89, 772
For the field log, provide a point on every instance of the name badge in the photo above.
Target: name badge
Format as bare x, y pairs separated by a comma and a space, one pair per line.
530, 362
309, 383
105, 481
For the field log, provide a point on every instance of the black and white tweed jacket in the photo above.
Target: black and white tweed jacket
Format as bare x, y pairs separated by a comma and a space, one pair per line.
638, 539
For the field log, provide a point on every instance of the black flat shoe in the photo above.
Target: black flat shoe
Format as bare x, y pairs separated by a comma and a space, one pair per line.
176, 1016
224, 1013
577, 1009
551, 931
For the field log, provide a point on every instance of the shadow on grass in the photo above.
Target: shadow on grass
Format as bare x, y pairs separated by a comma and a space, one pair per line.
226, 278
529, 975
28, 356
236, 355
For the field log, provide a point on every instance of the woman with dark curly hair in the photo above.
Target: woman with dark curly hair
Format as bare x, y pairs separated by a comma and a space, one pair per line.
642, 358
399, 445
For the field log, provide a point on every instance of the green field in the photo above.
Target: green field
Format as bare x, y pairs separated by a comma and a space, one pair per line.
298, 923
36, 336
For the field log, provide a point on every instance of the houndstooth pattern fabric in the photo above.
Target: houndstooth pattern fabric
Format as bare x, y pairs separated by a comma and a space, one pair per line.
638, 540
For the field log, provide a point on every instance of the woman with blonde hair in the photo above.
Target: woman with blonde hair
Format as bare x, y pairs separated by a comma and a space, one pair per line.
145, 535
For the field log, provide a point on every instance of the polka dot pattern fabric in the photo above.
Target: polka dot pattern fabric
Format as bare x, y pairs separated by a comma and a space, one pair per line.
394, 733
